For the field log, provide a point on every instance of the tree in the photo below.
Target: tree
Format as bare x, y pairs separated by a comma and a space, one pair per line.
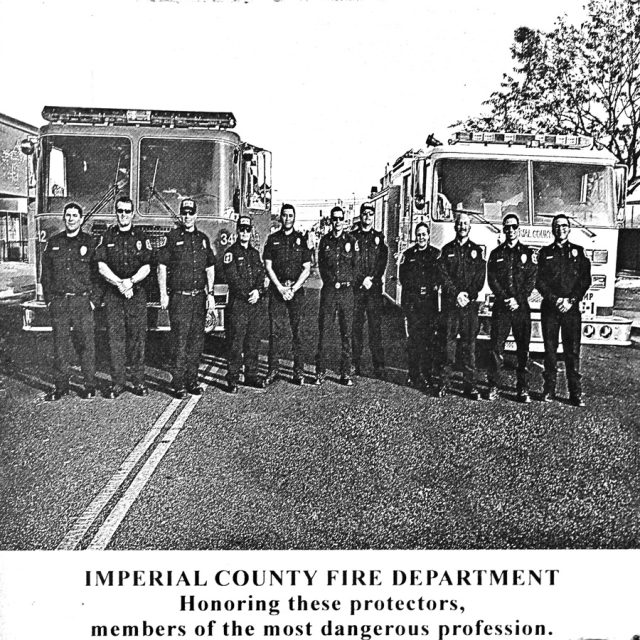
576, 80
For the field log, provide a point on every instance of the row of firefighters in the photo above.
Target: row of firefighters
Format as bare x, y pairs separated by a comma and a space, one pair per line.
440, 292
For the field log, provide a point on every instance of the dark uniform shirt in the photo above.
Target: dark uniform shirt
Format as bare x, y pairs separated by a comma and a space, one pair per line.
419, 274
512, 273
461, 268
372, 255
337, 259
124, 252
187, 254
288, 253
243, 269
67, 266
563, 272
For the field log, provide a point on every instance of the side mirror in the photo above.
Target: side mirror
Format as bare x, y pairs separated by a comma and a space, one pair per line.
419, 169
621, 171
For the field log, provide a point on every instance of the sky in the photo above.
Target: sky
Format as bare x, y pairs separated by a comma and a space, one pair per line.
334, 88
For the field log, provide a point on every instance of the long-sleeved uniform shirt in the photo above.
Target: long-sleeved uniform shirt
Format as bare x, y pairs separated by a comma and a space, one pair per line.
243, 270
461, 268
563, 272
511, 273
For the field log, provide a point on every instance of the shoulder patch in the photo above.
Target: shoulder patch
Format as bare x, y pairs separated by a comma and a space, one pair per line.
147, 243
534, 257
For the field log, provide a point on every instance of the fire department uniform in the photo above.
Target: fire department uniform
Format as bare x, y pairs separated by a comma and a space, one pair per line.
124, 252
511, 273
419, 280
563, 272
69, 287
372, 262
187, 256
244, 273
337, 263
461, 268
288, 254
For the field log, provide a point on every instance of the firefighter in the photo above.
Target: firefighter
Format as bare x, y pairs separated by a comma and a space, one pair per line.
512, 276
564, 276
337, 263
461, 273
124, 261
246, 278
287, 260
419, 280
367, 294
189, 258
68, 285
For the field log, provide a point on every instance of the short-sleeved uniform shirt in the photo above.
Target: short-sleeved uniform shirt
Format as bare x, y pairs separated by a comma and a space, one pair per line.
187, 256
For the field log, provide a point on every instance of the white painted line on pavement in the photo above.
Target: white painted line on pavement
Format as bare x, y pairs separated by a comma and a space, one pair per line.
84, 522
116, 516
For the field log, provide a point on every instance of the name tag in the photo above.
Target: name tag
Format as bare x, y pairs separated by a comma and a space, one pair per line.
111, 245
179, 242
55, 248
500, 260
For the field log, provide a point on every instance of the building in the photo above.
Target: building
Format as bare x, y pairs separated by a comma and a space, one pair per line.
16, 252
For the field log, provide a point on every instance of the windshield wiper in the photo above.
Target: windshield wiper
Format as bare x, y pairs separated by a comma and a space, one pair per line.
479, 216
583, 227
153, 192
111, 192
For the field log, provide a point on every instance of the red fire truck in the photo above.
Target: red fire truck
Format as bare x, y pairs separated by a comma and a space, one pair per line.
92, 156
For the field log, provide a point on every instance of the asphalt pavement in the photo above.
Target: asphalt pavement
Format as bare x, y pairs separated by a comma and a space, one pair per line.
379, 465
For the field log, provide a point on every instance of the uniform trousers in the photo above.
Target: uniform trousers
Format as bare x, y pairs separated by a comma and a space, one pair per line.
127, 326
76, 312
368, 302
282, 313
463, 321
422, 348
569, 326
502, 321
244, 338
187, 315
335, 301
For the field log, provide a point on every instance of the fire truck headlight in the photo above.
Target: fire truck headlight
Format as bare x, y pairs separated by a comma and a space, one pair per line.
588, 331
606, 331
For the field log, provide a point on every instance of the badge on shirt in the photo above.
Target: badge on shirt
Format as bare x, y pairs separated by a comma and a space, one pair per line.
139, 245
228, 257
377, 240
574, 253
347, 247
83, 250
474, 254
298, 241
523, 257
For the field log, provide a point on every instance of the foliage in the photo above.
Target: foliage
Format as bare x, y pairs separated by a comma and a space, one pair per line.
576, 80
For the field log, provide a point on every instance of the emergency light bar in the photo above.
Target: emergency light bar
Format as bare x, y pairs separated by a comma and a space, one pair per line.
134, 117
528, 139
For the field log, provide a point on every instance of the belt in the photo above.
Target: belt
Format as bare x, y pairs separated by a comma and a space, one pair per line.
340, 285
192, 292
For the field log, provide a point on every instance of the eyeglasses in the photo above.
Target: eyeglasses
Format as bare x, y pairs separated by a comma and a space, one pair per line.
562, 226
118, 210
337, 219
367, 212
244, 227
188, 213
507, 227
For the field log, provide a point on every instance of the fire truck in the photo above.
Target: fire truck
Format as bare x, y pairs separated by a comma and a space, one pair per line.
93, 156
535, 176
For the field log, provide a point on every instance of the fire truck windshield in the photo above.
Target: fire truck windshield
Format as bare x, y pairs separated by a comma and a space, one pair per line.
173, 169
490, 188
83, 169
582, 191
